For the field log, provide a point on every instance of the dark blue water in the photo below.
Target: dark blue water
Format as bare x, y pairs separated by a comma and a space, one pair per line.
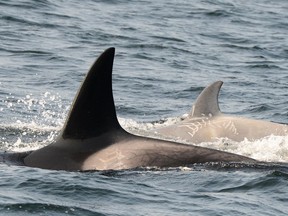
166, 53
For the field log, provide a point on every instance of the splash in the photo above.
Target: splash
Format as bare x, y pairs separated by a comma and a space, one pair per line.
31, 122
269, 149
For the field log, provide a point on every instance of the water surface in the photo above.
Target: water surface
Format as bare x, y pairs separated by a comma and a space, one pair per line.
166, 53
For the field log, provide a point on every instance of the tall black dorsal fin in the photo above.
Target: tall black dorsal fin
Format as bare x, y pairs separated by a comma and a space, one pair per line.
207, 102
93, 111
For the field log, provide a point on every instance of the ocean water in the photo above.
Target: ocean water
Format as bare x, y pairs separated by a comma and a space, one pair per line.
166, 53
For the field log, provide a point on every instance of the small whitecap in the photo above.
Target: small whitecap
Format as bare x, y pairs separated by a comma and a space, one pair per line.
18, 142
46, 94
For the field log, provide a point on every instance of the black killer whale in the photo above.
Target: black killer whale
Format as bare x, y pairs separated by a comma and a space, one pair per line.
92, 138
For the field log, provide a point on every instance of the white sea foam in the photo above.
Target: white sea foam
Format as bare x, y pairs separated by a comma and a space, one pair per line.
269, 149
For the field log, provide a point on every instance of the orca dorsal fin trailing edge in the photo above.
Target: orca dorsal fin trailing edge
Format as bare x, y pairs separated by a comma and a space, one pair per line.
93, 111
207, 102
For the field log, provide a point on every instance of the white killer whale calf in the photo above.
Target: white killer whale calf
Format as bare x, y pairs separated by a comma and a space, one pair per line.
206, 123
92, 138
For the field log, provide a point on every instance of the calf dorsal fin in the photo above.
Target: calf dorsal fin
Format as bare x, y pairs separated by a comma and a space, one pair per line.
207, 102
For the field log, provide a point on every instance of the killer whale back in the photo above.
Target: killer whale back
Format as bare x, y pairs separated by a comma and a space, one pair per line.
93, 110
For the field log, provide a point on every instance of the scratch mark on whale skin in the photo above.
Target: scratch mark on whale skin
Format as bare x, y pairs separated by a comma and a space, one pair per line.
196, 125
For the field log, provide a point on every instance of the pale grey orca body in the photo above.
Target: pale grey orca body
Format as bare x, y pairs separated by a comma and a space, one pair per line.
206, 123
